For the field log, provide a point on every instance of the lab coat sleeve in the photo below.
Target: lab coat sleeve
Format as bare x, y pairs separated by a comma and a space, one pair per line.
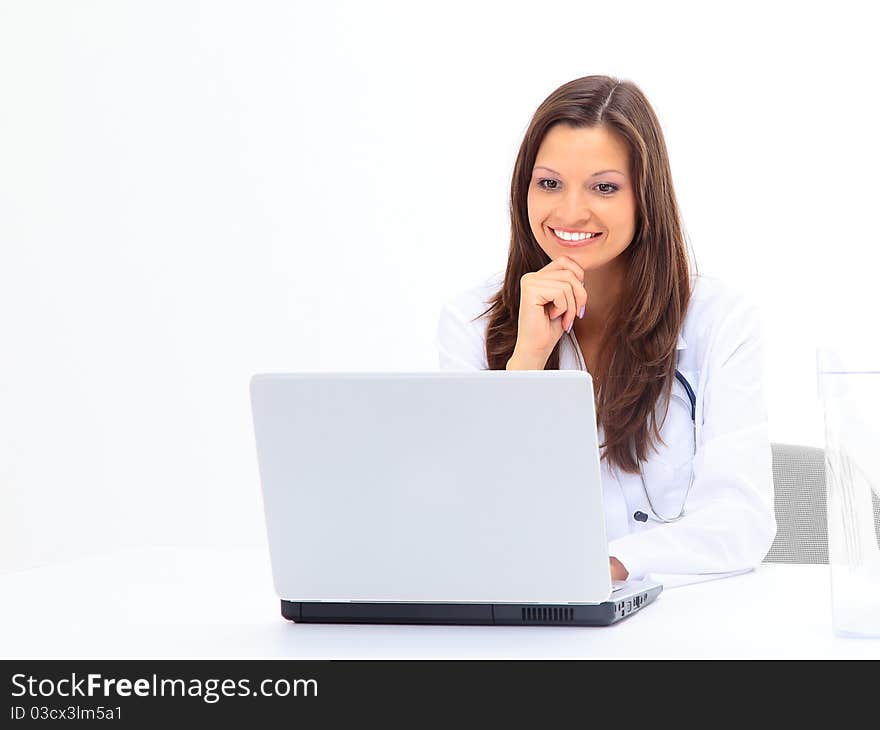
460, 343
729, 521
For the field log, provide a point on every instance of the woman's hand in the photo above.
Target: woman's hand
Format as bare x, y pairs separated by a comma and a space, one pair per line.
618, 572
549, 301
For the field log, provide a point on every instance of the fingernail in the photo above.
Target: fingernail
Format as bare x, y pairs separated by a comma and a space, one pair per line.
581, 313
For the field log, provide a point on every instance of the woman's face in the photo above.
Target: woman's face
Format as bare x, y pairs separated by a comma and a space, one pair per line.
580, 182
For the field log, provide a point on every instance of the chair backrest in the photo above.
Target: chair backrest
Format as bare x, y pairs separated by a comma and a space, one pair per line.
801, 512
801, 508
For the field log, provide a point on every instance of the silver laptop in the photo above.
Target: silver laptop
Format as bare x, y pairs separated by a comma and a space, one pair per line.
437, 497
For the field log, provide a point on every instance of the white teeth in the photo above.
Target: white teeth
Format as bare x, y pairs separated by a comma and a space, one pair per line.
573, 236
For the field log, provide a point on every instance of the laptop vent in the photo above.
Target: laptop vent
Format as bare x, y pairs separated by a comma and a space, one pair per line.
547, 614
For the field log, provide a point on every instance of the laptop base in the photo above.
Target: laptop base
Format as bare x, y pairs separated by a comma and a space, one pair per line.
490, 614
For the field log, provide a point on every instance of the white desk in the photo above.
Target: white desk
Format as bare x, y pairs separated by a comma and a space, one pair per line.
201, 603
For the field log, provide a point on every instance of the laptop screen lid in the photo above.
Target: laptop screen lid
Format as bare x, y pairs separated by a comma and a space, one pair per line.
441, 487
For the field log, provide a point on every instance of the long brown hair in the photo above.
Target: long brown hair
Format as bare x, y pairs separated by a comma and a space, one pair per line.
637, 354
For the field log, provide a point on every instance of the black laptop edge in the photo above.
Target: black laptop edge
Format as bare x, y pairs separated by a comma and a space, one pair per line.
507, 614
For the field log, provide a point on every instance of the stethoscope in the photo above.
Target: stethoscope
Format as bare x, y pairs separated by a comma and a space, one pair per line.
640, 516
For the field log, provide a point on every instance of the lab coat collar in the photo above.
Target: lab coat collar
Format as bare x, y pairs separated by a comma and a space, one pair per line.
682, 345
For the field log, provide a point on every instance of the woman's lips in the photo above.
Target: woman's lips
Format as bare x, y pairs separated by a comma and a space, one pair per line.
576, 244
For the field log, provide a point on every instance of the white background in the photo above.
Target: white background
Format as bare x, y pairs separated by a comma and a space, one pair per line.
194, 192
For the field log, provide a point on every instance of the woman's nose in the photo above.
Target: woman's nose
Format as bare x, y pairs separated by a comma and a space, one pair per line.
576, 209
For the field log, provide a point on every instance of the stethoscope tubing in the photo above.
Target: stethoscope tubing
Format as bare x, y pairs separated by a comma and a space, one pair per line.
692, 398
693, 401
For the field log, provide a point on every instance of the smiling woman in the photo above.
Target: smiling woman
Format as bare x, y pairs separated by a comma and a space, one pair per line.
598, 278
593, 161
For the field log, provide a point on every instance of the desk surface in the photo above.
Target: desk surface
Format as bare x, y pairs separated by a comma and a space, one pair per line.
204, 603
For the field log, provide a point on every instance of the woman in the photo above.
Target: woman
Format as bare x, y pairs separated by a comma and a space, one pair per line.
598, 278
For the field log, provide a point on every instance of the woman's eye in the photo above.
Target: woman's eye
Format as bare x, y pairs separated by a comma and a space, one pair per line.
555, 186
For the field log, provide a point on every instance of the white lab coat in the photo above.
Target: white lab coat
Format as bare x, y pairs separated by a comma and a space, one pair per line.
728, 523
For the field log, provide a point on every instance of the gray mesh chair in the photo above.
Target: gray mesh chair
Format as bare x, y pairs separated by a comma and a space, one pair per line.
801, 516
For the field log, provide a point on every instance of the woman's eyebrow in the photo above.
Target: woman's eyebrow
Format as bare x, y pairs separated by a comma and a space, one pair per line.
601, 172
